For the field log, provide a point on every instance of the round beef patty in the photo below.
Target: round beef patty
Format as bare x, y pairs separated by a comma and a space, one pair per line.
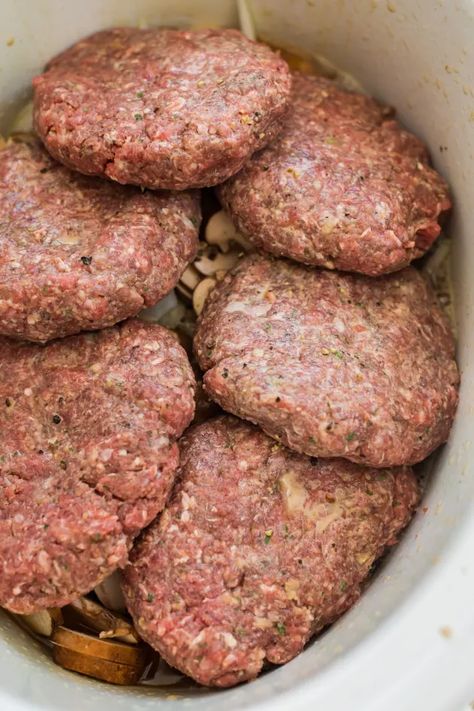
87, 453
331, 364
161, 108
258, 549
342, 186
79, 253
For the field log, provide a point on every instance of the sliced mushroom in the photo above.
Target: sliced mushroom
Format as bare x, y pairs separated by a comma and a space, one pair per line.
42, 622
109, 592
114, 662
93, 616
221, 231
208, 263
190, 277
185, 292
201, 292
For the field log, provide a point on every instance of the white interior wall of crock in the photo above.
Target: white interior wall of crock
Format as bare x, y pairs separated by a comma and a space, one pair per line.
417, 56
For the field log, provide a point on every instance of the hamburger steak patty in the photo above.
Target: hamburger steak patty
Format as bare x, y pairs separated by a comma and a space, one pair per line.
342, 186
87, 455
78, 253
331, 364
159, 107
259, 549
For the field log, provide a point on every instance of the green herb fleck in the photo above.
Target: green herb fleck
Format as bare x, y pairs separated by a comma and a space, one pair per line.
351, 436
138, 117
96, 537
331, 140
343, 585
225, 373
86, 260
63, 464
150, 597
337, 354
140, 94
268, 536
280, 628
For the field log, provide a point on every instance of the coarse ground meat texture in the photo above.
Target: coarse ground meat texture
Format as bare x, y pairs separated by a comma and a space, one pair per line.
259, 549
79, 253
331, 364
87, 456
161, 108
343, 186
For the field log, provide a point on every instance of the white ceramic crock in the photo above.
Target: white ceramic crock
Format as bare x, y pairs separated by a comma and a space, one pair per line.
409, 644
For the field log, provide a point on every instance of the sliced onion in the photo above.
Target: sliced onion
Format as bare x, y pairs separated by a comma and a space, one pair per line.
153, 314
109, 592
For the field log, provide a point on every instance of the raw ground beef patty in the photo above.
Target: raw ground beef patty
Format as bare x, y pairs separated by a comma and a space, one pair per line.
258, 549
342, 186
79, 253
161, 108
331, 364
87, 456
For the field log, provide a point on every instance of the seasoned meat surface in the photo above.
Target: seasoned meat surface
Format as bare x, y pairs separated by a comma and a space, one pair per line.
87, 457
258, 549
342, 186
331, 364
161, 108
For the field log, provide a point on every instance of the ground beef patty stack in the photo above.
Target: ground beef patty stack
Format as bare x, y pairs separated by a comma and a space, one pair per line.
331, 364
161, 108
79, 253
258, 549
343, 186
87, 456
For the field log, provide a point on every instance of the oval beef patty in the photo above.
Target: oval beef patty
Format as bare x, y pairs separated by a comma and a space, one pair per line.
331, 364
159, 107
342, 186
79, 253
88, 454
258, 549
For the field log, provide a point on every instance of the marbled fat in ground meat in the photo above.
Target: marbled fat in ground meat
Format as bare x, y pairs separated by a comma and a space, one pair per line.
342, 186
331, 364
258, 549
159, 107
87, 456
79, 253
